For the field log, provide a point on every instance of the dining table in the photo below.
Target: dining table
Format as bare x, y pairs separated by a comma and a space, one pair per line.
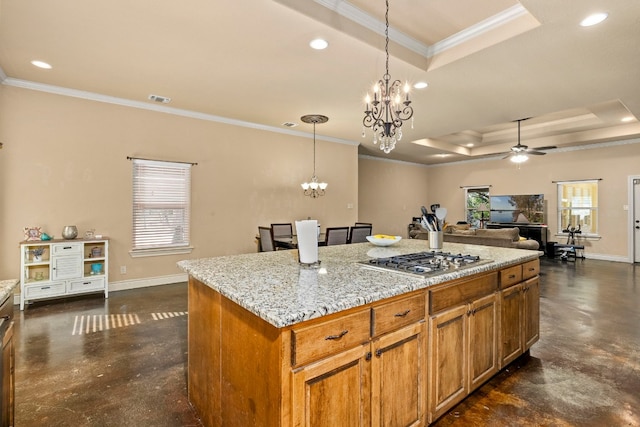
291, 242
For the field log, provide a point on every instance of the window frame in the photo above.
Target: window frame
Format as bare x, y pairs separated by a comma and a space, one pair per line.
560, 185
170, 201
468, 211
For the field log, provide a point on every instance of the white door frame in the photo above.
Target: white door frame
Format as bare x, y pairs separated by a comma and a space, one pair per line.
631, 219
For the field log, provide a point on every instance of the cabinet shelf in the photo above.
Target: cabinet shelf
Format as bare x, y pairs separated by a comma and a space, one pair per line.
66, 269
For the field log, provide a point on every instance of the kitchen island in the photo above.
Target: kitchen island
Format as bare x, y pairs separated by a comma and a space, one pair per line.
274, 344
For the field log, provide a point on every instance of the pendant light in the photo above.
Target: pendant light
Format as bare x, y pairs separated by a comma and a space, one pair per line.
314, 188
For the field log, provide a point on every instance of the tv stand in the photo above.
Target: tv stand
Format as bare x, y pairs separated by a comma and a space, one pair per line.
537, 232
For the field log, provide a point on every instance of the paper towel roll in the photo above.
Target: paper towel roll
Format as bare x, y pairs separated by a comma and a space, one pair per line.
307, 232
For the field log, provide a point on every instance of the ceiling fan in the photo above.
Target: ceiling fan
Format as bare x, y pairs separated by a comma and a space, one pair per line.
519, 152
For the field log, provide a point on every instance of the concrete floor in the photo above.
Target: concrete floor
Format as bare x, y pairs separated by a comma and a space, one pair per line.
121, 361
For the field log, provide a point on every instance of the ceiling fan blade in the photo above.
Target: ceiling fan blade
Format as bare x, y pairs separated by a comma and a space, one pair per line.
535, 153
508, 155
548, 147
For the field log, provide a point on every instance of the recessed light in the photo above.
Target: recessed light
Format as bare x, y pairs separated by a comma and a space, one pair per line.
593, 19
318, 44
41, 64
420, 85
470, 144
626, 119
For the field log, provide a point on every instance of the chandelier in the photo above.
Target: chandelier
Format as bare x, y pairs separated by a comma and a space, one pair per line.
314, 188
390, 106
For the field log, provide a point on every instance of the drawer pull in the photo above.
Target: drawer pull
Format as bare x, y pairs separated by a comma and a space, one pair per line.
45, 287
403, 314
512, 276
337, 337
68, 247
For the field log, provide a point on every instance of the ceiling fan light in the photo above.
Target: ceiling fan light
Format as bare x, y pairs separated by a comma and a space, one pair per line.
323, 185
519, 158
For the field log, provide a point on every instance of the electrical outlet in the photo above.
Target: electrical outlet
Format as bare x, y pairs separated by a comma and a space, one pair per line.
123, 269
349, 205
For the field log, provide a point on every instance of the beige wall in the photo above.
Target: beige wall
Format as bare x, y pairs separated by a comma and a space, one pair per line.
390, 193
614, 164
384, 196
64, 162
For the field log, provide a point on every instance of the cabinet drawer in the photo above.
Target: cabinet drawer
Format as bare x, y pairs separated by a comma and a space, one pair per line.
314, 342
393, 315
461, 293
510, 276
44, 290
530, 269
62, 249
85, 285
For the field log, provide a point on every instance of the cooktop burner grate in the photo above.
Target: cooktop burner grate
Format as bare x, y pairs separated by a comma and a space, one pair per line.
426, 263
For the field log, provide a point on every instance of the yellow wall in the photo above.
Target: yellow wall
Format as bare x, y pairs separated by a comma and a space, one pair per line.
64, 162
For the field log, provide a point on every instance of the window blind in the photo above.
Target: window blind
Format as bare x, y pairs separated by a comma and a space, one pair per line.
161, 205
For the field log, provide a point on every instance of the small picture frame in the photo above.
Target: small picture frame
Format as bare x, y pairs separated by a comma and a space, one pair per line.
32, 233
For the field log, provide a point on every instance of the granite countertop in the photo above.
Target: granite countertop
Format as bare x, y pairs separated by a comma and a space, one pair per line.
276, 288
7, 287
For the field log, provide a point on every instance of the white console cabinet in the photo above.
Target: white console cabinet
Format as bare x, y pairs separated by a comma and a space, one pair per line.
59, 268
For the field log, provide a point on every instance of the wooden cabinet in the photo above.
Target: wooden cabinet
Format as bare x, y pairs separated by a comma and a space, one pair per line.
8, 377
463, 337
402, 361
398, 378
383, 378
57, 268
333, 391
519, 311
7, 363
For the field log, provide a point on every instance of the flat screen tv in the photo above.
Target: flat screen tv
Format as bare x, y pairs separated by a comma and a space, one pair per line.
517, 208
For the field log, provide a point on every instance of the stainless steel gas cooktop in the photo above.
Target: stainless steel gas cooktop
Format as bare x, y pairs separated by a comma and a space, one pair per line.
426, 263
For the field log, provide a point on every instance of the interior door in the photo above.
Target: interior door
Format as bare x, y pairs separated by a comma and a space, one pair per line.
636, 219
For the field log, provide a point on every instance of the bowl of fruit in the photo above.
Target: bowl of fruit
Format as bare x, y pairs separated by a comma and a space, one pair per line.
383, 239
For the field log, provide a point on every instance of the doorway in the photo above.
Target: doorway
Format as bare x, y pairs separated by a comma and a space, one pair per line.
634, 216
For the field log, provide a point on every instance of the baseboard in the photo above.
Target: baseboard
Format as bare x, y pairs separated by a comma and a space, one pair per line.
124, 285
603, 257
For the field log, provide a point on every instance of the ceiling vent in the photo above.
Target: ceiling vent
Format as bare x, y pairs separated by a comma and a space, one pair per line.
160, 99
289, 124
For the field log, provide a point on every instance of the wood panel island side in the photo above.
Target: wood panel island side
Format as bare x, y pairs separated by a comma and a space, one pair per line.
274, 344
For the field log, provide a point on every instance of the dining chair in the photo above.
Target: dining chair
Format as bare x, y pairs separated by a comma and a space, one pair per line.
336, 236
282, 229
362, 224
266, 239
359, 234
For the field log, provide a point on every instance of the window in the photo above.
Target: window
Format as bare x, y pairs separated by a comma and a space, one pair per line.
477, 206
161, 207
578, 206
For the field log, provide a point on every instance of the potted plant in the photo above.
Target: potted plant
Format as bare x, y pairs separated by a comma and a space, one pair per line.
37, 253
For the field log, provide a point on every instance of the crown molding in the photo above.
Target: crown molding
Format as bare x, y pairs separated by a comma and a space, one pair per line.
97, 97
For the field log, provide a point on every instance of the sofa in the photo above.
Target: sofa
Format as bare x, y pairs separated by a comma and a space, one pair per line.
502, 237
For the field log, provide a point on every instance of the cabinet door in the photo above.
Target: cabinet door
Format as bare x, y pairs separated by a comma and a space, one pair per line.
8, 360
531, 315
483, 340
398, 378
447, 360
510, 324
334, 391
66, 267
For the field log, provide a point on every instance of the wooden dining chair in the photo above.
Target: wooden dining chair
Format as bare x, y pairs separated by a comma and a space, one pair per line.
282, 229
266, 239
359, 234
336, 236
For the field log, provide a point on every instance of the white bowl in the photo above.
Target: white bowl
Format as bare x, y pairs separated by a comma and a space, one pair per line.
383, 242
